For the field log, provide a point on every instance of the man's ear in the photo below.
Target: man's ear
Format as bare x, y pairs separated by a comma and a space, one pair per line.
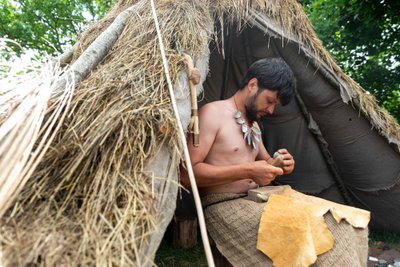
253, 85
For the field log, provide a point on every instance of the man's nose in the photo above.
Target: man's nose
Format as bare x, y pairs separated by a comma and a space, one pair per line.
270, 109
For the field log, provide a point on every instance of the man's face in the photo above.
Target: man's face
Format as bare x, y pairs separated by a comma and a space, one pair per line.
261, 104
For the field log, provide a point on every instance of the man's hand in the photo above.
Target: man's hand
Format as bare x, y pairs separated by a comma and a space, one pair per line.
288, 161
263, 173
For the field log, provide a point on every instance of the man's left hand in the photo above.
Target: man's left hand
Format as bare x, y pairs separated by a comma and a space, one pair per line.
288, 161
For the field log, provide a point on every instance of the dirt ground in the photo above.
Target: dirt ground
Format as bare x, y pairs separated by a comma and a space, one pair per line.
381, 251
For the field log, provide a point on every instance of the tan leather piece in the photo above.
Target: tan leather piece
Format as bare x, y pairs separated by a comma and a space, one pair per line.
358, 218
292, 229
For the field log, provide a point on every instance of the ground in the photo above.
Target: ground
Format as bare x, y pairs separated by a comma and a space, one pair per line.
381, 253
385, 246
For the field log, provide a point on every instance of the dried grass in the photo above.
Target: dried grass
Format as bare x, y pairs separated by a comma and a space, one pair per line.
24, 95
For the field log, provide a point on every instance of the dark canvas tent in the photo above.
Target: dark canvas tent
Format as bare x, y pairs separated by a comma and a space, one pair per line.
105, 191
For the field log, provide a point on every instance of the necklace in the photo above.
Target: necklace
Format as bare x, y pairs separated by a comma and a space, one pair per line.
251, 135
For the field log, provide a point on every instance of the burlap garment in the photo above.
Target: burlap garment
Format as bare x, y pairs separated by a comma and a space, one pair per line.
232, 222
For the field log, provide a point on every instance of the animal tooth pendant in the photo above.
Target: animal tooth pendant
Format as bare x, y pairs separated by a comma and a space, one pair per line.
251, 134
256, 130
245, 135
240, 121
244, 128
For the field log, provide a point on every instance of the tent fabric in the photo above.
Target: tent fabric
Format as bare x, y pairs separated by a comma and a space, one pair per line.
335, 144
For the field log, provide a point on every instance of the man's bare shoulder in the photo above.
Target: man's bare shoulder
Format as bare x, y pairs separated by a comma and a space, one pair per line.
214, 106
212, 114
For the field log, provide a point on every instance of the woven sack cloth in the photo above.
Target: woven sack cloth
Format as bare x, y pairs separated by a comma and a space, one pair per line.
233, 222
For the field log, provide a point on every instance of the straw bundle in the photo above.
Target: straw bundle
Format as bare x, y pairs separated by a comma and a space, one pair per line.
92, 199
24, 102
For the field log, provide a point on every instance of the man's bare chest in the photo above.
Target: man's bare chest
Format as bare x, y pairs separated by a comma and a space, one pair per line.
230, 139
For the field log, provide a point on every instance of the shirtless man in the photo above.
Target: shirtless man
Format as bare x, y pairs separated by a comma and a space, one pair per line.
226, 162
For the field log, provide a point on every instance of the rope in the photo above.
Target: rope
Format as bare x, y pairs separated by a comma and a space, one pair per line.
182, 136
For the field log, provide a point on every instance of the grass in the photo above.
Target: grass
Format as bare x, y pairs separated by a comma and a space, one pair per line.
169, 256
384, 239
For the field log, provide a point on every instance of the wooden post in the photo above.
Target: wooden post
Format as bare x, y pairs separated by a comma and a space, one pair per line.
184, 232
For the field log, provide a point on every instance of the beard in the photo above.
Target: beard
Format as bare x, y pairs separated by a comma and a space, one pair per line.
251, 109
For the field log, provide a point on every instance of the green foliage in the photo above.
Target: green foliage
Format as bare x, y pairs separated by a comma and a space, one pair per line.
363, 37
48, 25
384, 238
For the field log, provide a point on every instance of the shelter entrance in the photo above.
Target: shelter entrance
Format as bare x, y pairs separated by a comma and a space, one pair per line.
329, 139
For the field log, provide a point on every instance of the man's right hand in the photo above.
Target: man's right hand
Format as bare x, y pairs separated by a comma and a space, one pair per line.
263, 173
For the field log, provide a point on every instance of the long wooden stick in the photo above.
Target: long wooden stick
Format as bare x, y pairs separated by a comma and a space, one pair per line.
199, 208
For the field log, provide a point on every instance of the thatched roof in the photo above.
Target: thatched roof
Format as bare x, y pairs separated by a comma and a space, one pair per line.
105, 190
285, 18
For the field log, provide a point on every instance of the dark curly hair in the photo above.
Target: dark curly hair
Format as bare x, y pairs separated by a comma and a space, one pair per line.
273, 74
